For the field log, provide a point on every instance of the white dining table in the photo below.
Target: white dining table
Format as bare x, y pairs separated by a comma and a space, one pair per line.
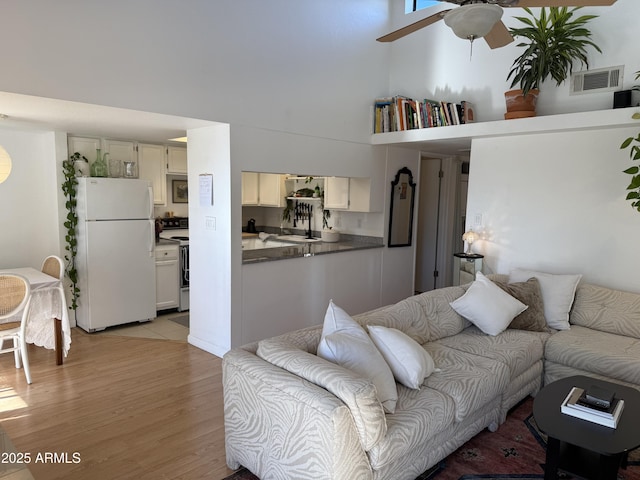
48, 322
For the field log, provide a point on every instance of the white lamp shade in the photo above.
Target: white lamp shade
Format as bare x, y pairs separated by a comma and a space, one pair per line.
5, 164
474, 20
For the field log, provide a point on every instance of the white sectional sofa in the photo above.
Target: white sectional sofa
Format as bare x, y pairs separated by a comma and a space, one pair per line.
290, 414
603, 341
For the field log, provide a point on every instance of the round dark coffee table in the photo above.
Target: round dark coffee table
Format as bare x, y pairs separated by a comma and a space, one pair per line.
581, 447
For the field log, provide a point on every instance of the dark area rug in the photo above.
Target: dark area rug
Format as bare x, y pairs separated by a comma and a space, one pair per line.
182, 320
515, 451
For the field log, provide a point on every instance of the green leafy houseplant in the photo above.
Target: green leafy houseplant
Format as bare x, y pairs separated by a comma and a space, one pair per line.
633, 144
70, 190
552, 42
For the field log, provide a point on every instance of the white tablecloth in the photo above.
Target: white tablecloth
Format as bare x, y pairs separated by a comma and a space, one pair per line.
45, 305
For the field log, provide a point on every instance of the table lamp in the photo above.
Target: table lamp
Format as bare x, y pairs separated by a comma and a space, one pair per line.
469, 237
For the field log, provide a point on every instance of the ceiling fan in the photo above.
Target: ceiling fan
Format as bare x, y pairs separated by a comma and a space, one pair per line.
481, 18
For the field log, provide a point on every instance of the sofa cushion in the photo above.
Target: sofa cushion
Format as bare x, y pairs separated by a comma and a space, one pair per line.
607, 310
424, 317
530, 294
358, 393
607, 354
558, 292
470, 380
420, 415
487, 306
346, 343
409, 362
518, 350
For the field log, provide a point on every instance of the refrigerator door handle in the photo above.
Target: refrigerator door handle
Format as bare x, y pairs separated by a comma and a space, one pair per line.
150, 201
152, 237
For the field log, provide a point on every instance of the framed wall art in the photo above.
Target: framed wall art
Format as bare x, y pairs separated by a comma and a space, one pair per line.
180, 191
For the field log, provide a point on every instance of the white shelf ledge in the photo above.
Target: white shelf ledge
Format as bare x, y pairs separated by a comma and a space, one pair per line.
456, 139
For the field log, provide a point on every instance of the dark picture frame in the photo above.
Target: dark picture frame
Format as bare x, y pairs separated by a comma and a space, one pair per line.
180, 191
403, 191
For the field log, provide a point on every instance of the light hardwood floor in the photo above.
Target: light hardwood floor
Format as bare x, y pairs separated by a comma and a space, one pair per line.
127, 407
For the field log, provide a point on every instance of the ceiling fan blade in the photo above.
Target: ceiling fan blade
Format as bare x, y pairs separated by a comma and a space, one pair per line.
404, 31
499, 36
564, 3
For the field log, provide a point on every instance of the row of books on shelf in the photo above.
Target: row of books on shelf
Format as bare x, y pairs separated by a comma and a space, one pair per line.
393, 114
578, 403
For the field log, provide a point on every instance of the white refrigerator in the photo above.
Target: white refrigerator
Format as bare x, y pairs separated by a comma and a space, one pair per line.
116, 252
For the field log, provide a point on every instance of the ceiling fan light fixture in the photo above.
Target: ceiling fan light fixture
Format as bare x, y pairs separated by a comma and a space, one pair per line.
473, 21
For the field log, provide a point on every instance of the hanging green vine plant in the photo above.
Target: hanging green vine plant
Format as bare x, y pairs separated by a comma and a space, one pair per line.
633, 144
70, 189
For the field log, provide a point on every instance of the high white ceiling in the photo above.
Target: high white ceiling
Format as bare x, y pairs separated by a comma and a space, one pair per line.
46, 114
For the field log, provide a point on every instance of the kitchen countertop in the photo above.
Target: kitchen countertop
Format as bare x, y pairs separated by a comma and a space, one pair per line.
347, 243
164, 241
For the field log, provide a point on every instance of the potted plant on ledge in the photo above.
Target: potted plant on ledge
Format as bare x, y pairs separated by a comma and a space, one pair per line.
552, 42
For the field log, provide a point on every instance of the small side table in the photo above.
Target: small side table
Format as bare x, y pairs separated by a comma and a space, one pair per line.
581, 447
465, 267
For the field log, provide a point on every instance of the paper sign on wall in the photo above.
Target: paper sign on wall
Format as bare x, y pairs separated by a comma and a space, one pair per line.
205, 189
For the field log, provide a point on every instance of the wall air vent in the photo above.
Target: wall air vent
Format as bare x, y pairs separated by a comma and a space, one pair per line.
597, 80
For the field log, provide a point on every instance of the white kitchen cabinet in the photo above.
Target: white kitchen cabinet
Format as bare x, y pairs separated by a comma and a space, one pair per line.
336, 193
152, 167
351, 194
263, 189
250, 188
177, 160
271, 190
85, 146
361, 197
121, 151
167, 277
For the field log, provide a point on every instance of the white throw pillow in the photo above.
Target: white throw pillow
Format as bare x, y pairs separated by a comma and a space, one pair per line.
409, 362
336, 319
558, 292
487, 306
346, 343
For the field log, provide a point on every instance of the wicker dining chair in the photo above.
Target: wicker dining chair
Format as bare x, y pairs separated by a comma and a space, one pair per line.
54, 267
15, 295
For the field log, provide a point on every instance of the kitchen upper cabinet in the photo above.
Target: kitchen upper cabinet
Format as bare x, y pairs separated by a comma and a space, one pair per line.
250, 188
351, 194
177, 160
167, 277
271, 190
336, 193
263, 189
120, 151
84, 146
152, 167
362, 198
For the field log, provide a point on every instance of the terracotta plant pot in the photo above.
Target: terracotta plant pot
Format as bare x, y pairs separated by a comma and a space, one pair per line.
520, 106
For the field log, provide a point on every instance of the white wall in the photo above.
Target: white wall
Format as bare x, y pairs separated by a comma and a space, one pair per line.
306, 67
212, 251
29, 199
398, 263
556, 203
434, 63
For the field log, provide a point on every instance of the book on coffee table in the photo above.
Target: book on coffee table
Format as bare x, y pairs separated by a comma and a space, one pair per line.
574, 404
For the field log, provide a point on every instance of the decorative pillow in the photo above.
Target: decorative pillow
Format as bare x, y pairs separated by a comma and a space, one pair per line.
529, 293
409, 362
558, 292
346, 343
487, 306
